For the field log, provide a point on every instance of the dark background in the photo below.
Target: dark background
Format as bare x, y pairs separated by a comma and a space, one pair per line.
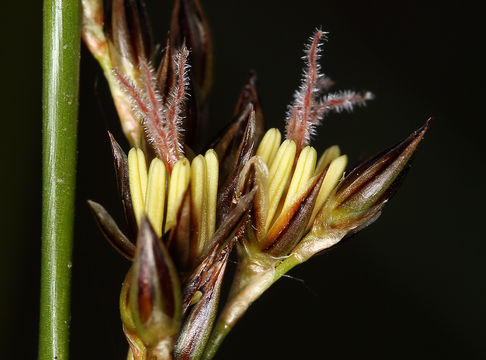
410, 286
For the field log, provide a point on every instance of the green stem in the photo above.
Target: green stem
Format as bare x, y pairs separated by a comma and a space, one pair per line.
257, 284
61, 49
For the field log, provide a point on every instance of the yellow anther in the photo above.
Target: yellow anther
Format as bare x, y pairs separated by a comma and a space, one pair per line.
302, 173
137, 178
178, 183
142, 169
269, 145
332, 177
155, 198
278, 177
212, 174
329, 155
196, 297
199, 198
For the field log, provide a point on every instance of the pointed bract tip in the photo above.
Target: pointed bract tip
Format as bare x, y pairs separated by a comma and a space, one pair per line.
364, 191
111, 231
129, 32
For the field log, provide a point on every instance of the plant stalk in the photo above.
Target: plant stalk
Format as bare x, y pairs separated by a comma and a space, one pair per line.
255, 284
61, 51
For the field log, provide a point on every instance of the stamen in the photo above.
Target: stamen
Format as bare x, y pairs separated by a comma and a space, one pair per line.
178, 183
329, 155
302, 174
212, 173
137, 177
155, 198
199, 199
269, 146
334, 174
278, 177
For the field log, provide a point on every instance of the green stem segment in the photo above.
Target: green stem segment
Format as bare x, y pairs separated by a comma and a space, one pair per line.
257, 284
257, 276
61, 50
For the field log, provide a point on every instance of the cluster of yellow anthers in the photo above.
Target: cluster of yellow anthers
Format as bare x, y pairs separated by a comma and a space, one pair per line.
280, 158
155, 191
149, 195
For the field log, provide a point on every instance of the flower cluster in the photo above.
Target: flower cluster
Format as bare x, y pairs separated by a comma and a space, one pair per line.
271, 198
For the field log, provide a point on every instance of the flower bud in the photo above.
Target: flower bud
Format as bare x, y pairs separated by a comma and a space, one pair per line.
154, 294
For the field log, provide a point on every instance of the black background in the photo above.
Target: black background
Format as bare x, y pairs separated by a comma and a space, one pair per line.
410, 286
